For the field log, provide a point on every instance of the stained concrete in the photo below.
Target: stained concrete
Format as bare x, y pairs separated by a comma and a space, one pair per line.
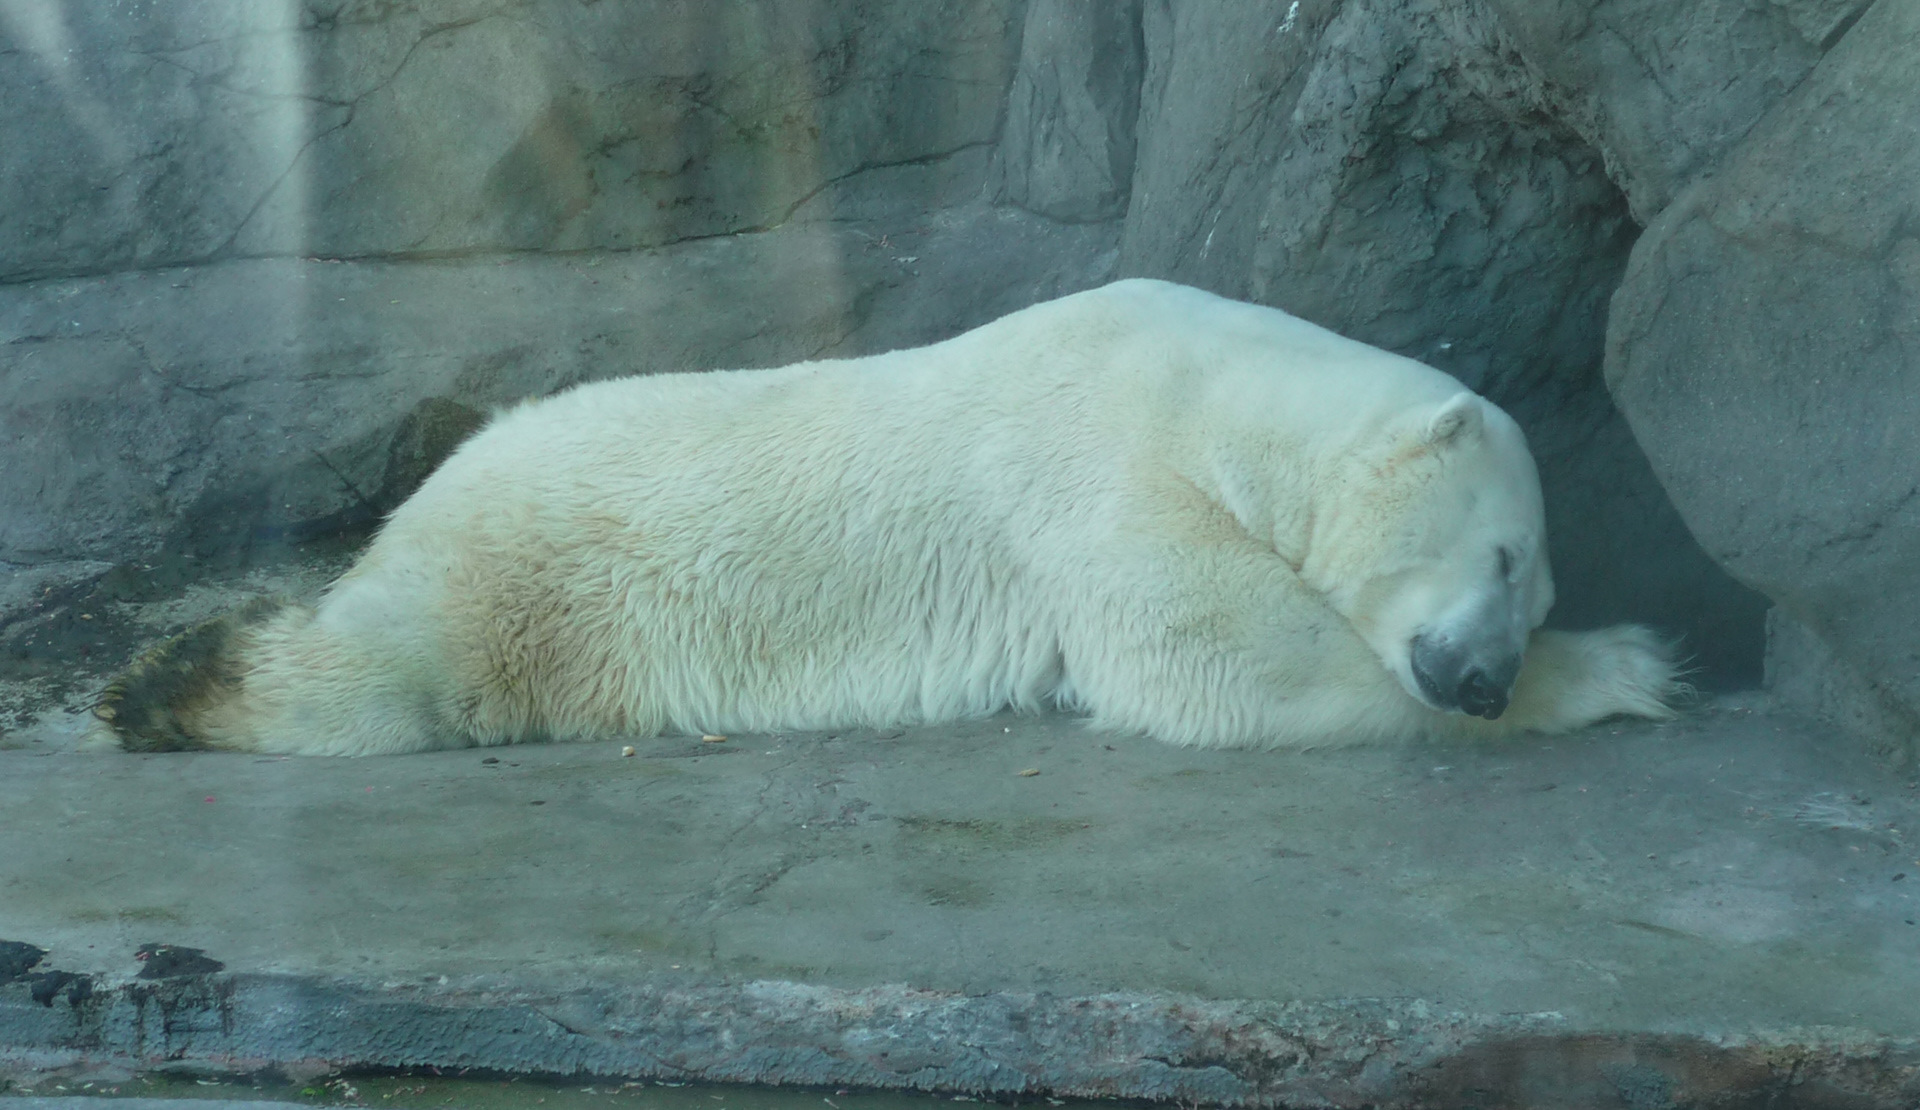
1715, 905
107, 1102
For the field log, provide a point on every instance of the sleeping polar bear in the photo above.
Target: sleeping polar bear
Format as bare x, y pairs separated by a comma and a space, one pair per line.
1181, 515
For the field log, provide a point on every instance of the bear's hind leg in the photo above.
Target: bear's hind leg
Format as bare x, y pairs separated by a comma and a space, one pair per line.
272, 677
158, 702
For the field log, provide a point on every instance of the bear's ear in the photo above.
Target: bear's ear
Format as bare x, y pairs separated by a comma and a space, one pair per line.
1455, 421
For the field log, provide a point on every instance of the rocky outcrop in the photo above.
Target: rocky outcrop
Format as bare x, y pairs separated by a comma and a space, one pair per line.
1765, 346
248, 243
1662, 90
214, 413
169, 134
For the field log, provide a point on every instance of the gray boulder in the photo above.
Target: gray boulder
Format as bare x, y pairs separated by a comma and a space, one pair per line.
1661, 90
1765, 346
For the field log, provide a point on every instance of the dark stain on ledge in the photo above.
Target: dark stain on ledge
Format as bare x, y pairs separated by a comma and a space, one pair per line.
44, 986
1655, 1072
17, 961
17, 958
166, 961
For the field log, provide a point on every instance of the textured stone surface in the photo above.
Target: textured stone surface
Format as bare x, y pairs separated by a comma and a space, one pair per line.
1395, 171
1660, 89
1067, 150
174, 133
28, 586
1807, 677
209, 410
1766, 347
1393, 1055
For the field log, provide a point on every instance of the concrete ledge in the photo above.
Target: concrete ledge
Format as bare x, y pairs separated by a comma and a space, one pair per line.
1342, 1053
1715, 912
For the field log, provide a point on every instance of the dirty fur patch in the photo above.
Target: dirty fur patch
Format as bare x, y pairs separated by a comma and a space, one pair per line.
148, 705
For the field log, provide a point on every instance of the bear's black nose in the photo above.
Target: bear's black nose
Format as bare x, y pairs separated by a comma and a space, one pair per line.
1480, 696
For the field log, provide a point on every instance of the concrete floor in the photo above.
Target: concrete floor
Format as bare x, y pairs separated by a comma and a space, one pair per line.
1724, 878
1704, 912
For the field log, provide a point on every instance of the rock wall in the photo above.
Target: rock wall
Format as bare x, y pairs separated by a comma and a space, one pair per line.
1766, 348
248, 239
209, 129
253, 240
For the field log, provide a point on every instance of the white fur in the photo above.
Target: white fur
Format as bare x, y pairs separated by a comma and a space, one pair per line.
1189, 517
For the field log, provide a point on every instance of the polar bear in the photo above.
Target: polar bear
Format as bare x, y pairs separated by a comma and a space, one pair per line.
1180, 515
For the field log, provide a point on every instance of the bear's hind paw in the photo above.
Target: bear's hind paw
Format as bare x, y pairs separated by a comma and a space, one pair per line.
149, 707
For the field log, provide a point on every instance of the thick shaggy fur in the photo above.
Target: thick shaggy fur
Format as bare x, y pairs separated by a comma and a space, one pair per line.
1117, 503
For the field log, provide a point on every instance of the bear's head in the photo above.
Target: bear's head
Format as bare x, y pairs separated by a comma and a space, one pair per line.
1433, 545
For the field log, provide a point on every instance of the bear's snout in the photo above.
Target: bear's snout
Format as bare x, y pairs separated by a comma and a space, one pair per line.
1450, 676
